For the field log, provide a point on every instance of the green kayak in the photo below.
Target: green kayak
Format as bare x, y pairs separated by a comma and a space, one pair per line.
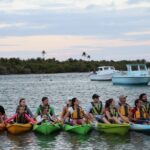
78, 129
113, 128
46, 128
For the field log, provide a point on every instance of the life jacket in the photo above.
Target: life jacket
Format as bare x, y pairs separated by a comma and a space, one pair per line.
113, 112
20, 119
78, 113
47, 107
97, 110
147, 106
140, 113
48, 118
124, 109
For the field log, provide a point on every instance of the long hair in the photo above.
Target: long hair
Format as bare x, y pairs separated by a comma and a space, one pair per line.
73, 101
22, 99
2, 110
136, 101
108, 103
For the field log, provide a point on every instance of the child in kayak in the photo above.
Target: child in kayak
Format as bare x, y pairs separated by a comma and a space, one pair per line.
44, 116
76, 113
20, 117
111, 112
139, 113
65, 110
3, 116
22, 103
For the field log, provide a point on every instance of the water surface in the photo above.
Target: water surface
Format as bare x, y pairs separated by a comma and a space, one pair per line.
58, 87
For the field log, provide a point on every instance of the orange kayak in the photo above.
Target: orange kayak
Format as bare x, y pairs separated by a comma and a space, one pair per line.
2, 127
17, 128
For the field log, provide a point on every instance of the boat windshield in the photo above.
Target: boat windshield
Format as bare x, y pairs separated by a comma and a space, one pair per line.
105, 68
142, 67
134, 68
100, 69
112, 68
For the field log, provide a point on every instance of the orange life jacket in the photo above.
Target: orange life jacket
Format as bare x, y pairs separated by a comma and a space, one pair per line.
124, 110
140, 113
78, 113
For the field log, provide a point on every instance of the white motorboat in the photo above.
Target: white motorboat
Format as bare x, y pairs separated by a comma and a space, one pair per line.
103, 73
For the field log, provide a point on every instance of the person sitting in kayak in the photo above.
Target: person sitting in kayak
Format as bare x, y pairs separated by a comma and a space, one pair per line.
45, 104
124, 109
21, 117
65, 110
76, 113
111, 112
146, 103
22, 103
44, 116
139, 113
95, 110
3, 116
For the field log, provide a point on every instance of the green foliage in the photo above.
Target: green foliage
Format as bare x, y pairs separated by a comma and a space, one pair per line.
39, 65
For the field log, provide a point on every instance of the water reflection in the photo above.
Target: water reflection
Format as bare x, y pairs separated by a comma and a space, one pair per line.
23, 140
45, 141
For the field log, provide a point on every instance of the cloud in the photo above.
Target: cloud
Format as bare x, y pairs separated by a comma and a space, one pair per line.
12, 25
138, 33
65, 5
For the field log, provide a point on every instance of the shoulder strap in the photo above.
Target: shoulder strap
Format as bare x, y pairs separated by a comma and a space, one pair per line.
98, 111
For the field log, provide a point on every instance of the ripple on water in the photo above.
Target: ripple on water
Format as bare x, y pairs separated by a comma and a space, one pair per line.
58, 87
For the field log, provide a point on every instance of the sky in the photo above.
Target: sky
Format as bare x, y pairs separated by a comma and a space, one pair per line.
110, 29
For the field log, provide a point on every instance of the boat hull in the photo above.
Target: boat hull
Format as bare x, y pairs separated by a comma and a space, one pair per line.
120, 129
96, 77
18, 128
78, 129
130, 80
140, 127
46, 128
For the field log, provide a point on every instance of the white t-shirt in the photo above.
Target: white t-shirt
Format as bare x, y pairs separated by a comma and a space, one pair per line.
70, 110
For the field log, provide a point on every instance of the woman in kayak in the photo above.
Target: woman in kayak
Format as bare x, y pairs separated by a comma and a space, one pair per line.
111, 112
65, 110
76, 113
45, 116
22, 103
3, 116
139, 113
20, 117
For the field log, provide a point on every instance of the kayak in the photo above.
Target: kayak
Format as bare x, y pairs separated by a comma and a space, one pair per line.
140, 127
78, 129
17, 128
46, 128
2, 127
120, 129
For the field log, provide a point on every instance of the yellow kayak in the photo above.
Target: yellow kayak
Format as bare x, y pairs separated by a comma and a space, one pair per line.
2, 127
17, 128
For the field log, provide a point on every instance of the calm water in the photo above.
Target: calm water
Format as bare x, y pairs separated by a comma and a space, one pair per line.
58, 87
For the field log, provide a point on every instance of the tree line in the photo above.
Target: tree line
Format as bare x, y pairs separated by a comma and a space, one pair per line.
41, 65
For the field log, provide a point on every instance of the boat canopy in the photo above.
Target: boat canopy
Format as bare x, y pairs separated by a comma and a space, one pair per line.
136, 67
106, 68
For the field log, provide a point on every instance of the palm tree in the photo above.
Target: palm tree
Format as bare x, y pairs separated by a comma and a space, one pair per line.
89, 57
84, 54
43, 54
